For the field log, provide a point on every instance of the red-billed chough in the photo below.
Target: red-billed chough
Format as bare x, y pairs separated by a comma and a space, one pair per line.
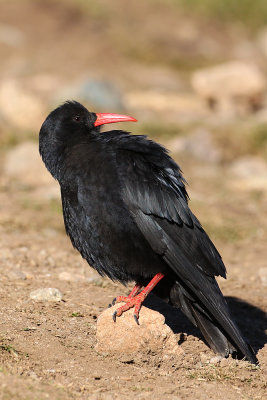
125, 209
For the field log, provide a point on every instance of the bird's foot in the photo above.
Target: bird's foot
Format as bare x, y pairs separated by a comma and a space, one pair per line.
134, 299
133, 293
131, 302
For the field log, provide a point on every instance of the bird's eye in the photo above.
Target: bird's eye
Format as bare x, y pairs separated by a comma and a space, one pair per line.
77, 118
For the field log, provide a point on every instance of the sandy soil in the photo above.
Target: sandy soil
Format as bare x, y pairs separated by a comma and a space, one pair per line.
47, 349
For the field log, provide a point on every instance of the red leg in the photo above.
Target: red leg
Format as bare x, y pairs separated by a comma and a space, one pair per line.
136, 300
119, 299
134, 292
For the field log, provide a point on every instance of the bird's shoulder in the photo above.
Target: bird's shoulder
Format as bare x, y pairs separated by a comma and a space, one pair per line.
150, 179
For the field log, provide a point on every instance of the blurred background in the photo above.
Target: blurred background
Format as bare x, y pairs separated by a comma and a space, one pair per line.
194, 74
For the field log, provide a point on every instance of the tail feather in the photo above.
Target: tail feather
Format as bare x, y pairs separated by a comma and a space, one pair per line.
216, 337
206, 305
212, 334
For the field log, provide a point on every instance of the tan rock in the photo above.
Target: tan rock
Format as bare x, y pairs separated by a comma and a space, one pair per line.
15, 274
249, 173
71, 276
24, 165
46, 294
20, 108
249, 167
231, 87
262, 41
226, 362
215, 359
24, 162
263, 276
124, 336
182, 107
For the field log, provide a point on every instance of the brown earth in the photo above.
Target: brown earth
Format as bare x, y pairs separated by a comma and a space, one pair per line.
47, 350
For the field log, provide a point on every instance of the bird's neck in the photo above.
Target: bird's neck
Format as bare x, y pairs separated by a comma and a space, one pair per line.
52, 157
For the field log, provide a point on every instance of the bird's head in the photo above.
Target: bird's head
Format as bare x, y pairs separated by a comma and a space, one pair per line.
70, 124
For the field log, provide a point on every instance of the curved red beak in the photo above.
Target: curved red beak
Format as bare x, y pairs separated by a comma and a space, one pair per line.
107, 118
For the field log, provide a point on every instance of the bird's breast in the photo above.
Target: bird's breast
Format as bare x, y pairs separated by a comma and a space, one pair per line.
100, 224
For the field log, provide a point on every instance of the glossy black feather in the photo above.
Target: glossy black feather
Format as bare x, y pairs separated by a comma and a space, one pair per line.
177, 236
125, 209
152, 182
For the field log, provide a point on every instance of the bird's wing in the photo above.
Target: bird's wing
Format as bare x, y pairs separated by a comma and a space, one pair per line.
154, 191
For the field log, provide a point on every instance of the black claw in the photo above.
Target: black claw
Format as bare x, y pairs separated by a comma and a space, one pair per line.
136, 319
110, 305
114, 316
114, 301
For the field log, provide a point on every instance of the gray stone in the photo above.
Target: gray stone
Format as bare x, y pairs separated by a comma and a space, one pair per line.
99, 93
46, 294
16, 274
199, 144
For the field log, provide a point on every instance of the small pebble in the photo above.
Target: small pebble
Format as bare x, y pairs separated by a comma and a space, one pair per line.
32, 374
216, 359
74, 277
16, 274
224, 362
70, 277
46, 294
263, 276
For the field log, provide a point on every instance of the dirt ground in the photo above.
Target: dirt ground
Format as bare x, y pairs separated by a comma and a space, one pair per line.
47, 350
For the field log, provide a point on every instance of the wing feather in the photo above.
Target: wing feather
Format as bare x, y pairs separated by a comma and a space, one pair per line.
153, 186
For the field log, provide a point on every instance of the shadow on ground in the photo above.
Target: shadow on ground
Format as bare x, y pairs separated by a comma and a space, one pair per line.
251, 320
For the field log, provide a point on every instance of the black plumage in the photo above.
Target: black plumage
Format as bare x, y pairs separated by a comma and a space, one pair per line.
125, 209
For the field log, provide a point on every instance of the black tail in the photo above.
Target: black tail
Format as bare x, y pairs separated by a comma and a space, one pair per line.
224, 338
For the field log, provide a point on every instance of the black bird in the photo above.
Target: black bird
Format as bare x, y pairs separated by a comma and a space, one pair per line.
125, 209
